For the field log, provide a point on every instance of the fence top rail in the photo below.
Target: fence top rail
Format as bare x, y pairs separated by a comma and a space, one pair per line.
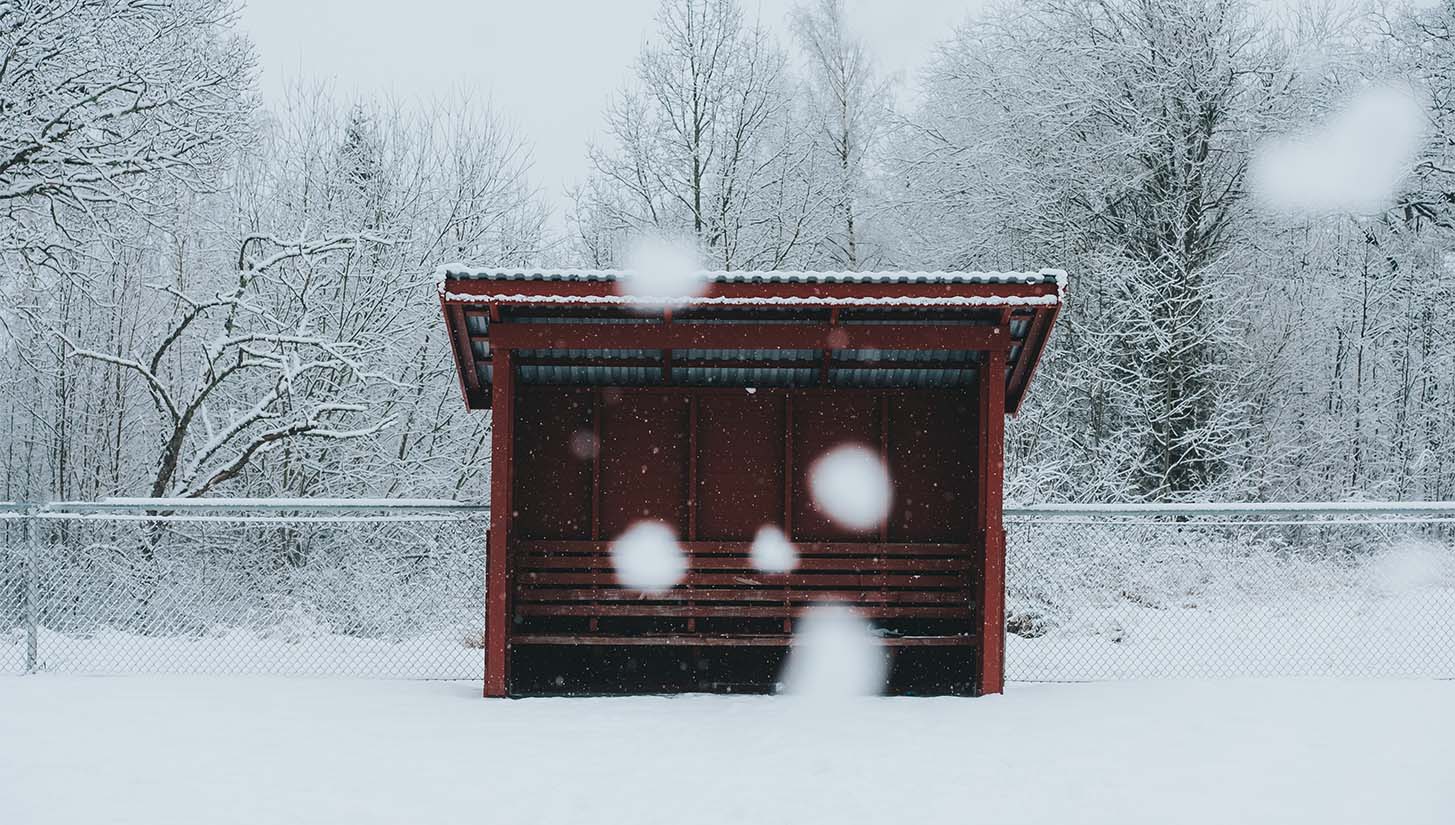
1225, 509
265, 505
421, 505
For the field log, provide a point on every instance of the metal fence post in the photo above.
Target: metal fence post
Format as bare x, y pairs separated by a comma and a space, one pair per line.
32, 585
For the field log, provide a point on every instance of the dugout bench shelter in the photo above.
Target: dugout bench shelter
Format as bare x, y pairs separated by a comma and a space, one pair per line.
705, 414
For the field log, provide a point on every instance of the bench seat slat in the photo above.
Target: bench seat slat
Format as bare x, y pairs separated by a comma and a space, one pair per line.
717, 640
744, 549
869, 580
604, 562
712, 611
797, 595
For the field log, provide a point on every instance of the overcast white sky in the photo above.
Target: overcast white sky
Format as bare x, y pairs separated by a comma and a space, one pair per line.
548, 65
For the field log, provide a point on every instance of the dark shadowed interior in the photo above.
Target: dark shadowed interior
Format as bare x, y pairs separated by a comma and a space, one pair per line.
716, 464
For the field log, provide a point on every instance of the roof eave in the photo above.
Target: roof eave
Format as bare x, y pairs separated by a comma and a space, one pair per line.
751, 293
462, 272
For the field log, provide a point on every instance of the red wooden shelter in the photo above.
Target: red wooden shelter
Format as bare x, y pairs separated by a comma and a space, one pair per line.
704, 415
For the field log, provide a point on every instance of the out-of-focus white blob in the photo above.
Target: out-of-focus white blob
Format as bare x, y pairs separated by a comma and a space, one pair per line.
1353, 162
835, 655
661, 272
772, 551
851, 486
648, 558
1410, 566
583, 444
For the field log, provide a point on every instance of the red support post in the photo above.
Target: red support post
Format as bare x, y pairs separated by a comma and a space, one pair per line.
992, 537
594, 624
596, 464
691, 485
884, 460
788, 477
788, 481
497, 560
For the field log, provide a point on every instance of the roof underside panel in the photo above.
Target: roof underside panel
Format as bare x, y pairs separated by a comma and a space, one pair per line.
747, 368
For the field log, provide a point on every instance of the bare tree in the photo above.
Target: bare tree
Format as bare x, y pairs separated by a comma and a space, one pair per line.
1422, 40
245, 398
850, 105
704, 145
100, 98
111, 113
1110, 136
279, 335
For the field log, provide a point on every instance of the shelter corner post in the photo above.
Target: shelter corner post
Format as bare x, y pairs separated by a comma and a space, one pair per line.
991, 428
497, 558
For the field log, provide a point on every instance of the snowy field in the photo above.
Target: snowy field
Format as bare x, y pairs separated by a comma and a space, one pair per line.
161, 750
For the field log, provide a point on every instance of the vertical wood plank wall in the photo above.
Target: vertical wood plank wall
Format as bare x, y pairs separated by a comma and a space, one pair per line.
718, 464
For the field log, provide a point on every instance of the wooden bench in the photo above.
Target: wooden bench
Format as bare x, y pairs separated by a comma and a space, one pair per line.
916, 594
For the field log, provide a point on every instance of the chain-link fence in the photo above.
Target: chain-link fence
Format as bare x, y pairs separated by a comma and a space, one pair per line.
1272, 590
346, 589
395, 590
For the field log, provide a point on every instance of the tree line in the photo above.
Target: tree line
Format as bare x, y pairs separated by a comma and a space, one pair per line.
204, 294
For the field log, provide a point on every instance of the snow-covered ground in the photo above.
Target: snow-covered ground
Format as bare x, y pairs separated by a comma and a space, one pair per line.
161, 750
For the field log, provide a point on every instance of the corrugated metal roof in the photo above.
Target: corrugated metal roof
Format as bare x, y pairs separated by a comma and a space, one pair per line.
901, 377
747, 354
745, 376
590, 376
594, 354
926, 356
742, 376
767, 300
693, 367
1041, 276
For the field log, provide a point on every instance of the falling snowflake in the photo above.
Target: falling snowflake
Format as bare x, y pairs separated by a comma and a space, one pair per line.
648, 558
851, 485
583, 444
1409, 566
835, 654
772, 551
662, 271
1353, 162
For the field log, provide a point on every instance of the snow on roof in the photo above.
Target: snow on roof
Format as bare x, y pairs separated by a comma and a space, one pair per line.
778, 300
1041, 276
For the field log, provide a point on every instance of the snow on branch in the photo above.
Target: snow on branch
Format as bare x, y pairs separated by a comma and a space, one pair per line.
244, 371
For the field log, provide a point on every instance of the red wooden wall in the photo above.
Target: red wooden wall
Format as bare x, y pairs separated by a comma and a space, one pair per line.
717, 464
